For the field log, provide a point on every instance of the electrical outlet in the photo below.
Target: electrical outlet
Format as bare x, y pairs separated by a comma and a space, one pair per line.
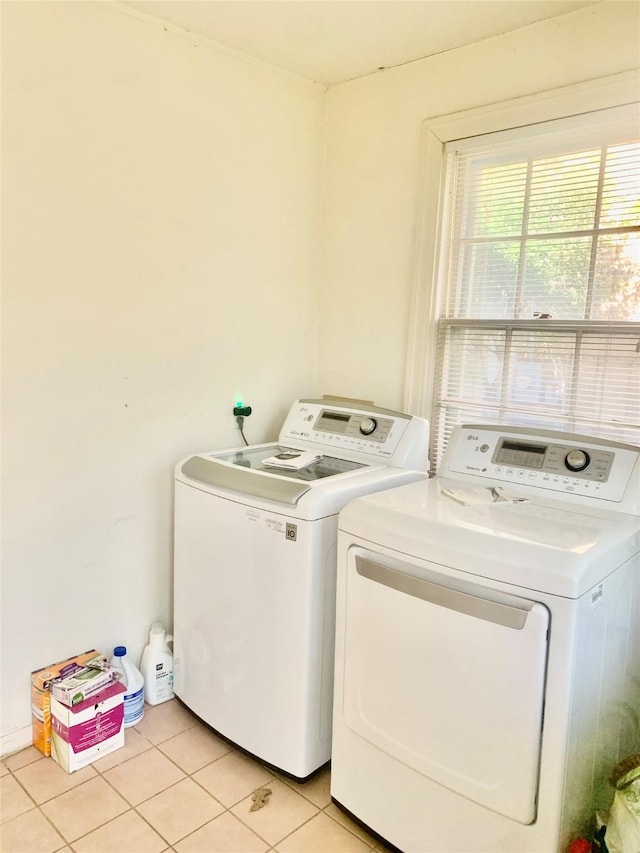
241, 411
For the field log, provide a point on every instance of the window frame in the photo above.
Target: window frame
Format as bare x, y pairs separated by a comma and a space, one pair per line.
514, 115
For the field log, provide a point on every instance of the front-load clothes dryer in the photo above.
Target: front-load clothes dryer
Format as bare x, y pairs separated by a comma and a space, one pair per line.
487, 672
254, 576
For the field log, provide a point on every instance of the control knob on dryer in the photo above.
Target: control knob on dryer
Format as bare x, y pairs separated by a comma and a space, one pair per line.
367, 426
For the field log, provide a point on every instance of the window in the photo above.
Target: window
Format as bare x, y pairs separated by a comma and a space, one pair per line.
536, 315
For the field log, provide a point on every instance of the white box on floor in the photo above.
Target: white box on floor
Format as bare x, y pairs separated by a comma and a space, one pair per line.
88, 731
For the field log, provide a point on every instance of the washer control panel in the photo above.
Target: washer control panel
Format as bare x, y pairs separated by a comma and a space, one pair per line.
343, 427
538, 459
358, 430
353, 425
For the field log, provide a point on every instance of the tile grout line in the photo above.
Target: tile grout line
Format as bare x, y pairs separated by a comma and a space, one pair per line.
134, 807
178, 840
37, 808
11, 773
70, 842
304, 823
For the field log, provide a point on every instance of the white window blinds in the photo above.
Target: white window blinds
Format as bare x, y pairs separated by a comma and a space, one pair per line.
539, 321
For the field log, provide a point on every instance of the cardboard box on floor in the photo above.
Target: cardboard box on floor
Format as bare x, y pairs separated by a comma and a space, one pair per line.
89, 730
41, 697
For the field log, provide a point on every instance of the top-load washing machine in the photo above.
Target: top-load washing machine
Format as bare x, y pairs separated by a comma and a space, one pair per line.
487, 671
255, 564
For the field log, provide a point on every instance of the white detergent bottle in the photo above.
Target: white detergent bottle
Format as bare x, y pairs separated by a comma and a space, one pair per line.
156, 665
133, 681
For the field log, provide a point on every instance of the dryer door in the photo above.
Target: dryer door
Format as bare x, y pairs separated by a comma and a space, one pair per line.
448, 677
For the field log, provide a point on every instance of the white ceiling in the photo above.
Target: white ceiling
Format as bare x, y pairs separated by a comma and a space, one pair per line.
330, 41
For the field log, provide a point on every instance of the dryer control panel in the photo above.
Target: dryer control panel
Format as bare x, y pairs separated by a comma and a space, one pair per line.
556, 461
589, 464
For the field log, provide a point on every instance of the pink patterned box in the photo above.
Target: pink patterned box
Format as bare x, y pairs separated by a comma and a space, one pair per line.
88, 731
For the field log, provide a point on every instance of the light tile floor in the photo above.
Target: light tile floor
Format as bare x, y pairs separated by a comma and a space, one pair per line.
174, 785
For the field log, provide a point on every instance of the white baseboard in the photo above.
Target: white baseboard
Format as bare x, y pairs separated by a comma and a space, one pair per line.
14, 741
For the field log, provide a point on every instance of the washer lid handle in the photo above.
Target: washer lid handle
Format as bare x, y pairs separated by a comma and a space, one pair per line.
271, 488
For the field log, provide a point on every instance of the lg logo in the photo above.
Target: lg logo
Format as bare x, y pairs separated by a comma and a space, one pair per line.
291, 532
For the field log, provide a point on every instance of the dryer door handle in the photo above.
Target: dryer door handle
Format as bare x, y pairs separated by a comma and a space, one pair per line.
509, 611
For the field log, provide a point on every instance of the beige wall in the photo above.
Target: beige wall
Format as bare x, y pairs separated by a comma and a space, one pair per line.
160, 221
373, 180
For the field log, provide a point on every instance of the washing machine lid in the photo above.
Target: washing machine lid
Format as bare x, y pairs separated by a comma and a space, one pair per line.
545, 545
244, 470
317, 491
305, 465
